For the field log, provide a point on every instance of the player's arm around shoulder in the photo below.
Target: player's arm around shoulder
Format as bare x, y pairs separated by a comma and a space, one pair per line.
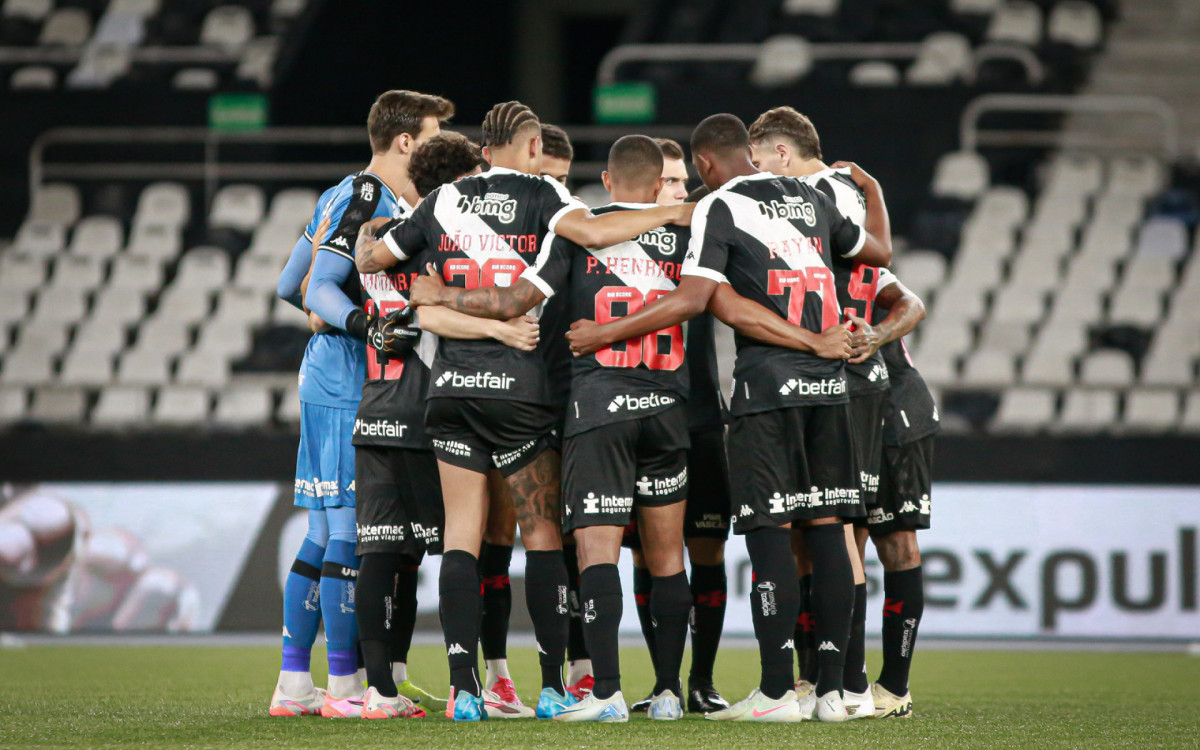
498, 303
371, 254
876, 246
584, 228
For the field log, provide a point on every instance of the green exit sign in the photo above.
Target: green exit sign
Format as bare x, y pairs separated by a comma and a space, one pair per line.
630, 101
237, 111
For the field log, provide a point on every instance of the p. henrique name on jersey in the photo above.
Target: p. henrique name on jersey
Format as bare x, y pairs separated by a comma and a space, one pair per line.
764, 235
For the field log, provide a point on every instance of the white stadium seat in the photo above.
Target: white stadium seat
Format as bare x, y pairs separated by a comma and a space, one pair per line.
143, 366
258, 61
1190, 421
1149, 273
118, 306
275, 240
27, 367
961, 174
59, 308
68, 27
287, 8
1018, 304
109, 56
1016, 21
165, 336
13, 402
99, 337
1024, 410
975, 7
163, 203
987, 368
872, 73
195, 79
289, 405
243, 405
1135, 307
1075, 22
121, 406
1135, 177
226, 338
40, 237
21, 273
782, 61
292, 206
823, 8
14, 305
97, 237
944, 57
181, 406
1002, 205
1088, 411
135, 273
206, 368
76, 275
238, 207
160, 241
29, 10
258, 273
183, 305
1151, 411
86, 368
242, 307
139, 8
1164, 236
1005, 336
33, 78
1106, 367
57, 203
229, 26
202, 269
43, 335
63, 406
1046, 365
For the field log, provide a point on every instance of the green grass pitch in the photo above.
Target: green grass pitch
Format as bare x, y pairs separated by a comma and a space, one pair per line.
125, 696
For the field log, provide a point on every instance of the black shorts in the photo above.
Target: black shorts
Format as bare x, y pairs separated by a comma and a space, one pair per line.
905, 486
485, 433
609, 469
866, 429
708, 505
793, 464
398, 506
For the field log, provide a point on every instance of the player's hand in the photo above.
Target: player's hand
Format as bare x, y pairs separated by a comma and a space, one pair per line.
864, 338
366, 234
857, 173
316, 325
522, 332
391, 333
834, 343
684, 218
585, 337
427, 289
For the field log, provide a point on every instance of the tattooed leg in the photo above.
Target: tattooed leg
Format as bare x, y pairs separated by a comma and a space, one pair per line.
536, 501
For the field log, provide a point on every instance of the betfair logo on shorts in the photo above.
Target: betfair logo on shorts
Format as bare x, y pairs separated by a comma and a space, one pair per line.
640, 403
606, 503
791, 207
379, 428
828, 387
497, 205
482, 380
662, 238
660, 486
452, 446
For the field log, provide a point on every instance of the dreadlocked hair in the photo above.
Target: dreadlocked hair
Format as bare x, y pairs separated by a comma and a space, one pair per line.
504, 121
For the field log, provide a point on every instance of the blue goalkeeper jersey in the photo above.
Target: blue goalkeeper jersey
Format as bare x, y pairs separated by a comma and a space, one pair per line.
334, 363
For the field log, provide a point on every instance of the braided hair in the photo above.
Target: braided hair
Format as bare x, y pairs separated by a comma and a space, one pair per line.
504, 121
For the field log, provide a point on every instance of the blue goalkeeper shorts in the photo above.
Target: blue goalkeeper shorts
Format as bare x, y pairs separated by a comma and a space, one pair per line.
325, 461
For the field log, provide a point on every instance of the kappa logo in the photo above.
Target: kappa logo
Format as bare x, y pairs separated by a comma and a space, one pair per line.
690, 256
828, 387
791, 208
540, 649
788, 645
908, 507
341, 242
745, 511
350, 487
455, 648
828, 646
286, 634
497, 205
366, 191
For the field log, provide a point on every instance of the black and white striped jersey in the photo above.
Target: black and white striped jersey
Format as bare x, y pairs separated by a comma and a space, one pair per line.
634, 378
773, 239
913, 413
480, 231
856, 283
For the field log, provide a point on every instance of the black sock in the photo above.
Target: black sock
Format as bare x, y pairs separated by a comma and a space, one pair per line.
854, 673
710, 591
458, 590
404, 609
670, 605
643, 587
600, 595
546, 597
497, 599
774, 600
576, 648
374, 611
806, 640
903, 604
832, 600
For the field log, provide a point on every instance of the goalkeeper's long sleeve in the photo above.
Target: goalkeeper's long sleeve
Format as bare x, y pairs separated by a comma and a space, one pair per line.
325, 296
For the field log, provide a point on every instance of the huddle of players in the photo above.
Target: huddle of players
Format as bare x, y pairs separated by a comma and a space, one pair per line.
498, 244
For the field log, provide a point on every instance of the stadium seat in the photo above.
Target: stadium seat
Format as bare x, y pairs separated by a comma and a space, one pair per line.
1018, 304
1047, 365
946, 334
14, 305
33, 78
97, 237
97, 336
939, 368
76, 275
38, 334
27, 367
1165, 367
1088, 411
1024, 410
1149, 273
21, 273
944, 57
225, 338
988, 368
287, 9
1016, 22
292, 206
132, 273
289, 405
164, 333
237, 207
181, 406
102, 64
120, 30
1134, 177
63, 309
258, 273
276, 238
206, 368
1163, 236
240, 307
1002, 206
1103, 242
202, 269
1011, 337
1075, 22
121, 406
962, 175
810, 7
258, 61
58, 203
12, 405
86, 368
1136, 307
152, 240
1150, 411
1074, 173
874, 73
975, 7
921, 270
143, 366
139, 8
196, 79
782, 60
58, 406
243, 405
163, 203
283, 314
68, 27
1190, 421
1035, 271
29, 10
40, 237
229, 27
1106, 367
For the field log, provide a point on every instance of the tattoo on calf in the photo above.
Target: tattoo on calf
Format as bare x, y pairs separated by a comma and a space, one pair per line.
535, 490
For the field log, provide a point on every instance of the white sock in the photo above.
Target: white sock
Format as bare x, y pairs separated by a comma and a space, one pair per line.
399, 672
361, 674
296, 684
496, 668
345, 686
577, 670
